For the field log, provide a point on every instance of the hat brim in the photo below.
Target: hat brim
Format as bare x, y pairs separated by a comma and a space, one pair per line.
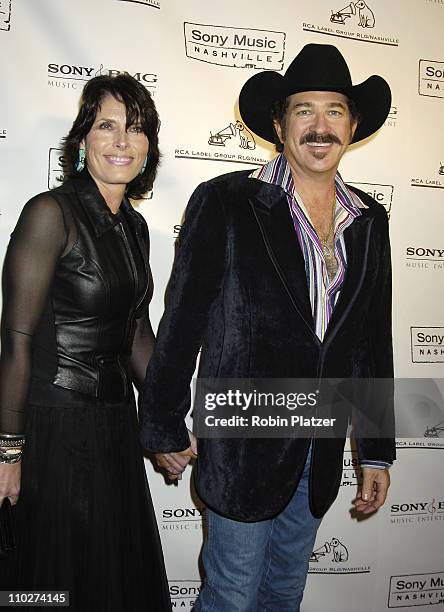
372, 98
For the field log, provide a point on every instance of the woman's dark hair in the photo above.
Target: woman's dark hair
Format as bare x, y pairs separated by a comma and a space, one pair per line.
279, 114
139, 107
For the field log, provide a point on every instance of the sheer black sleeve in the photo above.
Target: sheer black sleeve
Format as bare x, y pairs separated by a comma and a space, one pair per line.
39, 239
142, 349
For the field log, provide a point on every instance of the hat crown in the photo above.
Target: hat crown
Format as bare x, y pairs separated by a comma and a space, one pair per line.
318, 68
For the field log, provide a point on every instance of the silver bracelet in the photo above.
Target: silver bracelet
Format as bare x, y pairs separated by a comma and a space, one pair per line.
10, 457
8, 436
18, 443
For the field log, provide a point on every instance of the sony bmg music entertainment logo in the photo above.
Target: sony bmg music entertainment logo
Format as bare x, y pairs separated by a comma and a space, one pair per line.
424, 511
381, 193
427, 344
412, 590
423, 258
182, 519
68, 76
235, 47
5, 15
431, 78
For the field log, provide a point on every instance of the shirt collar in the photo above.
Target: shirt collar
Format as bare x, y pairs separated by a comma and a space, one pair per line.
97, 210
278, 172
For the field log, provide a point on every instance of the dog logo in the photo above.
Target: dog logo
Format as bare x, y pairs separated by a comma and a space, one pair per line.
365, 16
441, 168
337, 550
436, 430
233, 130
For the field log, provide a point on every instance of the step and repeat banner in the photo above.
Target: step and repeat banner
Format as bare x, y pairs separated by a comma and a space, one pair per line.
193, 56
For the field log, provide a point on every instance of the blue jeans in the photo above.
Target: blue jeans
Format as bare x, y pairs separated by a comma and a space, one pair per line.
262, 566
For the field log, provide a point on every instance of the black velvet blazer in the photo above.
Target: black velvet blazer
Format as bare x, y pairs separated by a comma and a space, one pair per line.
238, 289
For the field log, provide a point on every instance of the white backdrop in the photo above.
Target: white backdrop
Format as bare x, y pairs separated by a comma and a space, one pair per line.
194, 57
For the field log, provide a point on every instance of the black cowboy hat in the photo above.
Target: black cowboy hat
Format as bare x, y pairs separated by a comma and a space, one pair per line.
315, 68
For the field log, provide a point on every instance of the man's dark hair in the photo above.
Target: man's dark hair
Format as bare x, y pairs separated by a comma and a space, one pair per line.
139, 107
279, 114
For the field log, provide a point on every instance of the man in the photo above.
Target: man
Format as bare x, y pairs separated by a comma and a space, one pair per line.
283, 272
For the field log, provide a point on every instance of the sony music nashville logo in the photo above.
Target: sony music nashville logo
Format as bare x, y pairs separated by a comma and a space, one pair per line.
351, 471
232, 143
381, 193
333, 557
72, 76
182, 519
55, 167
184, 593
151, 3
424, 511
431, 78
427, 344
5, 15
424, 258
235, 47
413, 590
356, 21
433, 181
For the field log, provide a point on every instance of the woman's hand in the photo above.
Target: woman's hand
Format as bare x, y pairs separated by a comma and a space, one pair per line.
175, 463
10, 481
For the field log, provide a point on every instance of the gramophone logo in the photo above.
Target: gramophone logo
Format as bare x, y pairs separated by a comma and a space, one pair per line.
336, 551
333, 557
360, 10
233, 131
5, 15
235, 47
356, 21
233, 143
2, 133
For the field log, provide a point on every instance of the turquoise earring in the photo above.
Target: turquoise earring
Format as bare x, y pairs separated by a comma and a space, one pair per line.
81, 161
144, 165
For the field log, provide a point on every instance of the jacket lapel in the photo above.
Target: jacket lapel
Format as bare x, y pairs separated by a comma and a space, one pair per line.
356, 238
271, 210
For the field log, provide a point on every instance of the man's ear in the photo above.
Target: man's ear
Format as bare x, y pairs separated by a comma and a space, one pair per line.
279, 130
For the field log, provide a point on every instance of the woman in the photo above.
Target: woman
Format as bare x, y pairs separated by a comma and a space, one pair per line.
75, 335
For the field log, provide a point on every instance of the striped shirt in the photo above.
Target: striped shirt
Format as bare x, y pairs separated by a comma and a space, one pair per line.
324, 291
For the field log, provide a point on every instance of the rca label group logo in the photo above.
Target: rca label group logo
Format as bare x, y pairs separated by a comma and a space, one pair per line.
356, 21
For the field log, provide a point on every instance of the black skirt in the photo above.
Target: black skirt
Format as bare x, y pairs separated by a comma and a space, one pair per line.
84, 521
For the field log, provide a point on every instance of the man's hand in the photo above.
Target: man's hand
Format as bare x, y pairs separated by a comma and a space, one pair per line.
374, 489
175, 463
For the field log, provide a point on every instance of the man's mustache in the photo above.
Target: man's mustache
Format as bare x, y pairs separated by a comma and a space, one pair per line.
315, 138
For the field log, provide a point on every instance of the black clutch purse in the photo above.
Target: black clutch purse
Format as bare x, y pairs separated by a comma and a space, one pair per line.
7, 543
